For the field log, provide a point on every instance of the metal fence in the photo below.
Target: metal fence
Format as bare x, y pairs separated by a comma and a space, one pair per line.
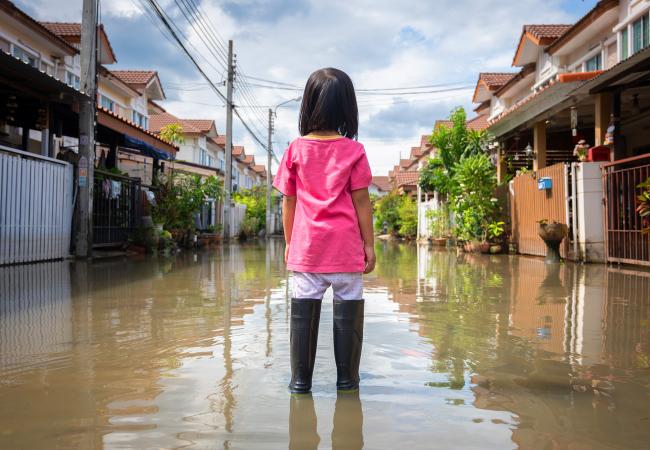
529, 205
624, 241
36, 203
117, 202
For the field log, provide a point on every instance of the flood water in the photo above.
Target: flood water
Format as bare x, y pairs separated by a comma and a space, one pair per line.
460, 352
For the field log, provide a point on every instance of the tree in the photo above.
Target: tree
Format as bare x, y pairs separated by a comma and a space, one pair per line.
173, 133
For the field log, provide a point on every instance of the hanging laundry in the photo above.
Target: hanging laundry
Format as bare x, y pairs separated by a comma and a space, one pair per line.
106, 188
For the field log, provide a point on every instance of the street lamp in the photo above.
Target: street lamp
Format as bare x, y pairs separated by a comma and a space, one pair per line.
272, 114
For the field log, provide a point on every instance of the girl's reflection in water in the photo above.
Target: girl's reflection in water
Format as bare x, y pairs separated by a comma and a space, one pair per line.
347, 431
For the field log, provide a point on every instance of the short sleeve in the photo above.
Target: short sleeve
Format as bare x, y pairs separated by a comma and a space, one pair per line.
360, 176
285, 179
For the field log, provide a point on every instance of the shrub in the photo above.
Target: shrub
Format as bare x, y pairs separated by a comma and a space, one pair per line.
255, 201
398, 213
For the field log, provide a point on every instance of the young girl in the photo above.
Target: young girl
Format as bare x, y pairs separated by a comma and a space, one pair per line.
327, 216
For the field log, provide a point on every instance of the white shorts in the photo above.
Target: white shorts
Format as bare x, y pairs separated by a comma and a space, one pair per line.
346, 286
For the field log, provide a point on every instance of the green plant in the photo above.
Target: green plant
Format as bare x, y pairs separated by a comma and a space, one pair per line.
496, 229
180, 197
643, 205
434, 177
472, 199
255, 201
408, 212
249, 228
173, 133
438, 221
398, 213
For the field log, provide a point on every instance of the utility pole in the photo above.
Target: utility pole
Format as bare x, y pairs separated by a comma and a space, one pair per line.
86, 165
228, 174
269, 152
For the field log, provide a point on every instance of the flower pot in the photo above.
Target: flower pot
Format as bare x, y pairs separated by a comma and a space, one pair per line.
484, 247
552, 234
496, 248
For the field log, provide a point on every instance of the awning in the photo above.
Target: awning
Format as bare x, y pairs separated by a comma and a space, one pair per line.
146, 149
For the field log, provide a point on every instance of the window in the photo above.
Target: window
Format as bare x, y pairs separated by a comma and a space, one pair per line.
203, 157
594, 63
141, 120
25, 56
625, 45
47, 68
640, 35
72, 80
106, 102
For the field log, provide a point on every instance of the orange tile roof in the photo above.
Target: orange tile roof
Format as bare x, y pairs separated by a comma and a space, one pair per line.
238, 150
220, 140
404, 163
382, 182
407, 178
546, 31
495, 80
259, 169
138, 77
249, 159
205, 125
158, 121
478, 123
601, 8
63, 28
71, 33
415, 152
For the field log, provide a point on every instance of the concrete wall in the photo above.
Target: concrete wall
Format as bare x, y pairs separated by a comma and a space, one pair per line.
590, 210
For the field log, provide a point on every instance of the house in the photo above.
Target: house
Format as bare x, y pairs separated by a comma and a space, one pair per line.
379, 186
573, 83
39, 104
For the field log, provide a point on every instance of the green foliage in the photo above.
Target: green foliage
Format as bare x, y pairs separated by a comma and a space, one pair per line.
472, 198
408, 213
463, 173
643, 205
180, 197
173, 133
434, 177
255, 201
398, 213
496, 229
438, 220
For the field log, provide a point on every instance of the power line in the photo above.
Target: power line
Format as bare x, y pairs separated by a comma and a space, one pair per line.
166, 22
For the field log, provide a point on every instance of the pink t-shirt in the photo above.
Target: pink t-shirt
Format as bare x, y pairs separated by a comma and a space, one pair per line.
322, 173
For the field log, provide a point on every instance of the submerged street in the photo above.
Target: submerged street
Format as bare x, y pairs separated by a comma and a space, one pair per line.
460, 352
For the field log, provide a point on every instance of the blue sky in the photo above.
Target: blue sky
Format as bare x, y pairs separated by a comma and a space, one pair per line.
380, 43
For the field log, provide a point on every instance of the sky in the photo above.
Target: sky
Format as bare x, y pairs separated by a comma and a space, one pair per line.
381, 44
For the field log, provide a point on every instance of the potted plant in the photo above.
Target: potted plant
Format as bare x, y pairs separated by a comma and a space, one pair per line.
495, 231
552, 233
438, 226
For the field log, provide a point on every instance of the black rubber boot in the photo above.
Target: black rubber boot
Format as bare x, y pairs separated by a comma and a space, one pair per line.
303, 336
348, 337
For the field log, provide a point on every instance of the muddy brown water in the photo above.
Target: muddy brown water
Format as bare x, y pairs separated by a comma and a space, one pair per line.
460, 352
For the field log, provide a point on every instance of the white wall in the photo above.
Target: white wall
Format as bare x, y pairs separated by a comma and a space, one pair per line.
590, 210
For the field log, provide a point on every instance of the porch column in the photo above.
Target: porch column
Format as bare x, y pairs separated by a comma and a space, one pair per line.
502, 170
539, 145
603, 114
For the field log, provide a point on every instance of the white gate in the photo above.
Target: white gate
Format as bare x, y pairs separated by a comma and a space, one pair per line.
35, 207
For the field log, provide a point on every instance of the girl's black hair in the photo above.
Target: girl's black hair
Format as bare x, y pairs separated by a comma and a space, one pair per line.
329, 104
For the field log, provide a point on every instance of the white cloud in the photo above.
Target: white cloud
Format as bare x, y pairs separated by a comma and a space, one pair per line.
380, 43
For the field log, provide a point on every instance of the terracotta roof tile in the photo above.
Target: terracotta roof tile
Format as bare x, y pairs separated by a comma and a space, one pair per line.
259, 169
138, 77
158, 121
404, 163
205, 125
407, 178
547, 31
249, 159
63, 28
238, 150
478, 123
495, 80
382, 182
415, 152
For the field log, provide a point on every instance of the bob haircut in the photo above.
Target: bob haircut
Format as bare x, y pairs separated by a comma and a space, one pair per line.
329, 104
